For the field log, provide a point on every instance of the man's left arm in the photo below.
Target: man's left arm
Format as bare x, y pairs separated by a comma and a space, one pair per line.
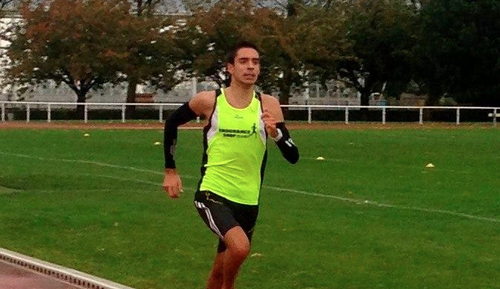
276, 129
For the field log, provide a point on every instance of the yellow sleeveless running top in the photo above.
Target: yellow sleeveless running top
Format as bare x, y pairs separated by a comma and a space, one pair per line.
235, 151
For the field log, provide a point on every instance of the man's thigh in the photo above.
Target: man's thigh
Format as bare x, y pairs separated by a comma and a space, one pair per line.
221, 215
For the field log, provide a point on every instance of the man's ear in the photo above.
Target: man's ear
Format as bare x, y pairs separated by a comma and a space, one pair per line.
229, 68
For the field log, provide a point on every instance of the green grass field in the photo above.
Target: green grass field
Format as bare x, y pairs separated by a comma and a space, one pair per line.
371, 215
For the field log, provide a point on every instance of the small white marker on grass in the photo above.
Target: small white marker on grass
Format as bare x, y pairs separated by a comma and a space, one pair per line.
430, 166
86, 135
320, 158
157, 143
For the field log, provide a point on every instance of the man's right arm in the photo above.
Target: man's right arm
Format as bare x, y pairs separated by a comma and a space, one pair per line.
197, 106
181, 116
200, 105
172, 182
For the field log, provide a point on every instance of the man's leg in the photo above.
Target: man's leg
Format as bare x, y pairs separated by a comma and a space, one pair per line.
221, 219
215, 279
237, 250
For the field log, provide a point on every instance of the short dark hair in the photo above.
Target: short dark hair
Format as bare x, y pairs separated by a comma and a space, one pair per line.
231, 55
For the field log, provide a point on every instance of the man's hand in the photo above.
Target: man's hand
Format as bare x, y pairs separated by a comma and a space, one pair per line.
270, 123
172, 183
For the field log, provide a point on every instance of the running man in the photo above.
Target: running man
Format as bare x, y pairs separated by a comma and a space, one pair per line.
240, 121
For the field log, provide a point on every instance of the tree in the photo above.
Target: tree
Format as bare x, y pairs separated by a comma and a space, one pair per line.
291, 52
320, 40
81, 43
150, 58
459, 51
366, 43
202, 42
382, 38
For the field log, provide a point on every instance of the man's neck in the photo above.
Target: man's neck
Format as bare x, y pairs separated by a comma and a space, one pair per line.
239, 95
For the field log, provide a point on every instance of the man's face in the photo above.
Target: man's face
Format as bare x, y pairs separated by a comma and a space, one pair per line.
246, 67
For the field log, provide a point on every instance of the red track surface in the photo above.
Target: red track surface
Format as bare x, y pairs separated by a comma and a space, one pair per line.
14, 277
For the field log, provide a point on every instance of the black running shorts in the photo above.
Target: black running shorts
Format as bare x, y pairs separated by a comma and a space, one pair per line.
221, 215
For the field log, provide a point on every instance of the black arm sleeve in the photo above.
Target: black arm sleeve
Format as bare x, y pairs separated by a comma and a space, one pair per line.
182, 115
288, 149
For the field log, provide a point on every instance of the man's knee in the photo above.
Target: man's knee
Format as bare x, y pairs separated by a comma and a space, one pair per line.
240, 251
237, 243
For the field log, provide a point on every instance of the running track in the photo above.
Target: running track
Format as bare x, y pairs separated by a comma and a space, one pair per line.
14, 277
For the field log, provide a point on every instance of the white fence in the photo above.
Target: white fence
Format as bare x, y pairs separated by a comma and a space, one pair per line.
490, 112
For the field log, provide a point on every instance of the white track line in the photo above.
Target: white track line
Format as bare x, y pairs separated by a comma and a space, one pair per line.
131, 180
81, 162
100, 164
356, 201
382, 205
421, 168
121, 179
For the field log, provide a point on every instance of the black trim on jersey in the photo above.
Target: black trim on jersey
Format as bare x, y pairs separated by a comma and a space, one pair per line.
204, 159
259, 97
262, 171
264, 159
288, 149
179, 117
